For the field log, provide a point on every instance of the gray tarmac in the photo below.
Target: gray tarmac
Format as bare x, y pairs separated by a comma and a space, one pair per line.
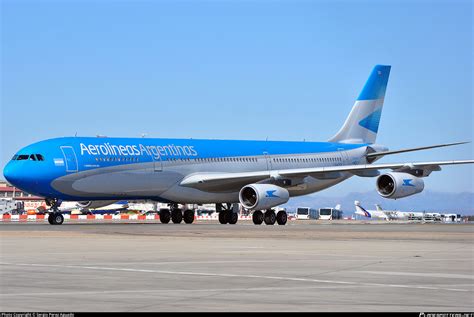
304, 266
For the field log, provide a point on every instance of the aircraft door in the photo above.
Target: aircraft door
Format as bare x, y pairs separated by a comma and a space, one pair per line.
157, 163
70, 158
269, 161
344, 156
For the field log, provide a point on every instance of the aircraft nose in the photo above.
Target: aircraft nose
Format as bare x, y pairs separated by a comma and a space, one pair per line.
9, 173
16, 175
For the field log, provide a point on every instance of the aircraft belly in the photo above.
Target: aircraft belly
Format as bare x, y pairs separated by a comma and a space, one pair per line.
186, 195
137, 182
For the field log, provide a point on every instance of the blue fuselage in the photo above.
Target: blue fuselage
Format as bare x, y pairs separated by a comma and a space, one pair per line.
84, 168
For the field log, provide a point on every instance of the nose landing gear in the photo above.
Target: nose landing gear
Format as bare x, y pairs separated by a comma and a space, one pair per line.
55, 216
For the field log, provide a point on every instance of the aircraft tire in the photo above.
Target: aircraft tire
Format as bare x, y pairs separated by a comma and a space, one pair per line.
165, 215
176, 216
56, 218
233, 217
188, 216
50, 218
269, 217
282, 218
224, 217
257, 217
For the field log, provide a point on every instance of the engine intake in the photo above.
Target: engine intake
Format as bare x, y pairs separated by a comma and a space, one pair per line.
262, 196
398, 185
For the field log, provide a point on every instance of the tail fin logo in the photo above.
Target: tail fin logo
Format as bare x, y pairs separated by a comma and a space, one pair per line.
366, 213
371, 122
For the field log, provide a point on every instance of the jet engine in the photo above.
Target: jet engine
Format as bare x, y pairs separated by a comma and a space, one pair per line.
95, 203
398, 185
262, 196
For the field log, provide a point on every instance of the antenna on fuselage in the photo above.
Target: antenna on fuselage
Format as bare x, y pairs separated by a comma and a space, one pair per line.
144, 135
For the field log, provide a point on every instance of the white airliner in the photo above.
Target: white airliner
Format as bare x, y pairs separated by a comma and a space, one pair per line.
259, 174
113, 207
380, 213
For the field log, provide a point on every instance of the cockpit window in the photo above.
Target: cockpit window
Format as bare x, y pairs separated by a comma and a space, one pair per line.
24, 157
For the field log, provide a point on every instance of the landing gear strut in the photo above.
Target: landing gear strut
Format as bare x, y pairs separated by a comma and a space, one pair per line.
55, 217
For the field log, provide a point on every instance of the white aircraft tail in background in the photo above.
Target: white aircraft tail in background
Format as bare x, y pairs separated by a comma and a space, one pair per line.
374, 214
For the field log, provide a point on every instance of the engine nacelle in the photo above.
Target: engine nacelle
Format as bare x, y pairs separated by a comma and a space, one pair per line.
262, 196
398, 185
95, 203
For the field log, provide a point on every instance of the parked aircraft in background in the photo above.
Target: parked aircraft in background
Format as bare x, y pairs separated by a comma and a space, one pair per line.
88, 207
259, 174
380, 213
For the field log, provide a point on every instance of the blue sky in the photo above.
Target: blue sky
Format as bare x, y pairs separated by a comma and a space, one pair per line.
282, 70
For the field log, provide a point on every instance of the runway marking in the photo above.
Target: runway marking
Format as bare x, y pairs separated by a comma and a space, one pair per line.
440, 275
296, 279
226, 262
175, 290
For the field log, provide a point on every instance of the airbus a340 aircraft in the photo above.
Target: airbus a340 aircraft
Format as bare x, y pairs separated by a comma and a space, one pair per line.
258, 174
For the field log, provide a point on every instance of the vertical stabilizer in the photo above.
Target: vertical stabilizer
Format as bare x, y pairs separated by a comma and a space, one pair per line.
362, 124
361, 210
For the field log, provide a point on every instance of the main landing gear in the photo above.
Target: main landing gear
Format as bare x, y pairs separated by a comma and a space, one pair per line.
269, 217
55, 217
227, 214
176, 215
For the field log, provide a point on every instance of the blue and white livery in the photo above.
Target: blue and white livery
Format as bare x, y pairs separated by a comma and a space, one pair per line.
259, 175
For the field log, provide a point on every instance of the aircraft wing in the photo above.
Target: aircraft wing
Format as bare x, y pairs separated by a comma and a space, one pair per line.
222, 182
375, 154
356, 169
